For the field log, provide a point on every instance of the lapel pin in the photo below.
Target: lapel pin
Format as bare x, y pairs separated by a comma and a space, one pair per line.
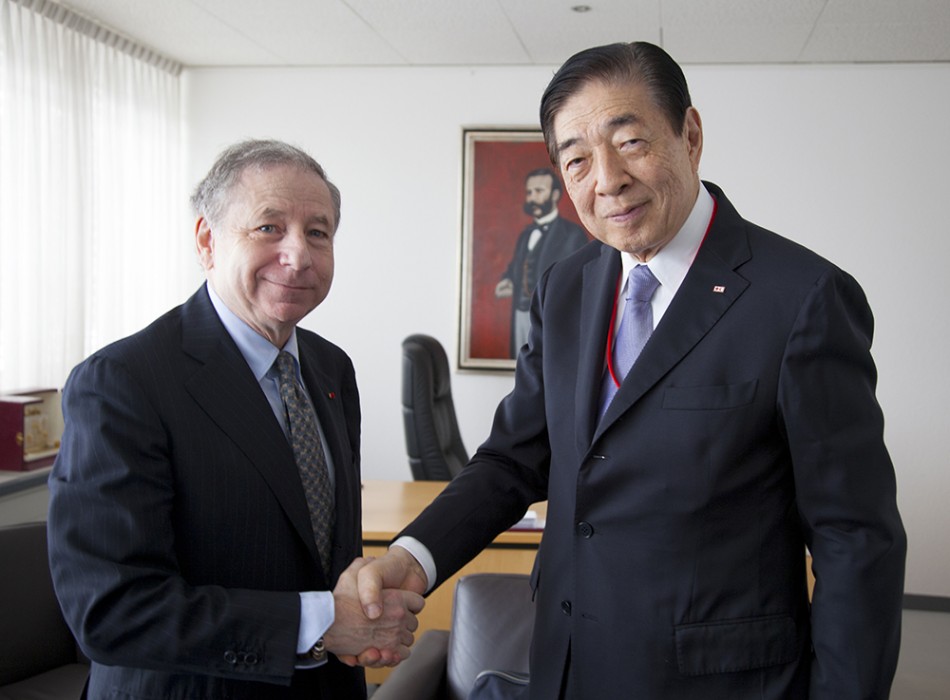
331, 395
719, 289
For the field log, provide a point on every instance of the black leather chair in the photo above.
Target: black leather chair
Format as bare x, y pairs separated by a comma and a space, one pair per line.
433, 440
492, 624
39, 657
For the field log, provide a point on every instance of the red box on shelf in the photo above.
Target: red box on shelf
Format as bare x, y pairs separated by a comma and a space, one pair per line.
31, 427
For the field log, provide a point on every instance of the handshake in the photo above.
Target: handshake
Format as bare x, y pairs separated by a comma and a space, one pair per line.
376, 602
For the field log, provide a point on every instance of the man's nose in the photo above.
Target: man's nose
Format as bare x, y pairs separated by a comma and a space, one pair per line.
295, 250
611, 176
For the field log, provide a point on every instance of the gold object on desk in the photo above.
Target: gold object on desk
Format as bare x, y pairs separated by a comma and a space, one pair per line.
388, 506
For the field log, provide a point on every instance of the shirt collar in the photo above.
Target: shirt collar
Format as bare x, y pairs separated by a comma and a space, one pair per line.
258, 352
547, 218
672, 261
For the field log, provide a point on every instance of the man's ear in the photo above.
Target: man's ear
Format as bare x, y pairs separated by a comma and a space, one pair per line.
694, 137
204, 243
555, 196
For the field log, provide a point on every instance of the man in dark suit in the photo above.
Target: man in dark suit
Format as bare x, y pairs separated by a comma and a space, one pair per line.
186, 555
547, 239
683, 493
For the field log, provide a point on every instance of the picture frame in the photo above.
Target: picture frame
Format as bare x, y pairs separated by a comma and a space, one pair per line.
495, 163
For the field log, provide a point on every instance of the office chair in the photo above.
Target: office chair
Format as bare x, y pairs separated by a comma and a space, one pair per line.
39, 657
491, 629
433, 441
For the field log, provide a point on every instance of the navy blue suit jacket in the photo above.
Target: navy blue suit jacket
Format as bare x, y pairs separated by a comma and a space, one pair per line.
179, 531
673, 560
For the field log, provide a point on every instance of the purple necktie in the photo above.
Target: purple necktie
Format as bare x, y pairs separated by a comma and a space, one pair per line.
636, 325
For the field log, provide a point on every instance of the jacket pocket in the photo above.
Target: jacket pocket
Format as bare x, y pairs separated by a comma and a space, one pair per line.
735, 645
705, 398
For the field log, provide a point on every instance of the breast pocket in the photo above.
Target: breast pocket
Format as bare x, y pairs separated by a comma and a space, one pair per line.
709, 398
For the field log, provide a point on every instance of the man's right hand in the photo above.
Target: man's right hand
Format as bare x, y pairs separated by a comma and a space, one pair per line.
504, 289
375, 579
386, 635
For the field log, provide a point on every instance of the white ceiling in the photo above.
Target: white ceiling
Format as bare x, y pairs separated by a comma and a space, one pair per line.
524, 32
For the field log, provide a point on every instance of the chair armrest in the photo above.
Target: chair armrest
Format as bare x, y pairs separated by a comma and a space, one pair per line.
422, 675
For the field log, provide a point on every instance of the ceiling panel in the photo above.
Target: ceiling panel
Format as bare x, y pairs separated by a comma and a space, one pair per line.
551, 32
177, 29
883, 11
325, 32
519, 32
741, 31
872, 43
881, 30
734, 43
436, 32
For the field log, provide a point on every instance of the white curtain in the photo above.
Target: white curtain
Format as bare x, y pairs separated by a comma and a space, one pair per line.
92, 245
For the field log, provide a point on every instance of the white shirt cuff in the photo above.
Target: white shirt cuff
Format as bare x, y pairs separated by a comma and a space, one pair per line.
422, 555
317, 614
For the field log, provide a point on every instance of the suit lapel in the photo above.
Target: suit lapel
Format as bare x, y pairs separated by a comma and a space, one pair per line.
598, 292
227, 391
710, 287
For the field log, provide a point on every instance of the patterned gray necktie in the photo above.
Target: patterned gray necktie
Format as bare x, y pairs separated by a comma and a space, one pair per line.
308, 453
636, 326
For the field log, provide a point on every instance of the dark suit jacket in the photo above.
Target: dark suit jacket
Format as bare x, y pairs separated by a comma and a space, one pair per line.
179, 531
562, 238
672, 563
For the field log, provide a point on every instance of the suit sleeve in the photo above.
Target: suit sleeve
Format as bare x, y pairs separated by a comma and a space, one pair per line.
508, 472
845, 485
112, 548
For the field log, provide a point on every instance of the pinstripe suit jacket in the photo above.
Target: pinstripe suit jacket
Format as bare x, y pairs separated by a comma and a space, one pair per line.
179, 531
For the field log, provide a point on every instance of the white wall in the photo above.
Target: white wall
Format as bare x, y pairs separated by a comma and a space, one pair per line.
849, 160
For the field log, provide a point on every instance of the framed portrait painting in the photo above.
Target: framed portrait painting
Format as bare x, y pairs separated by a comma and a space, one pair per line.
516, 220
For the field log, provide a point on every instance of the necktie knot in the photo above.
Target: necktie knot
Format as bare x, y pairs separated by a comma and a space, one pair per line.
285, 366
641, 284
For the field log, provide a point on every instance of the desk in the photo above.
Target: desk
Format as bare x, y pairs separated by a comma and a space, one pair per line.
23, 496
388, 506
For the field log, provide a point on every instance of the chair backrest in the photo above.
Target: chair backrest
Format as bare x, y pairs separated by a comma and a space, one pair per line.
433, 441
492, 625
34, 637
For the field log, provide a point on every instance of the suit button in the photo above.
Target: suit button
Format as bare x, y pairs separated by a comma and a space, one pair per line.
585, 529
230, 657
566, 607
250, 659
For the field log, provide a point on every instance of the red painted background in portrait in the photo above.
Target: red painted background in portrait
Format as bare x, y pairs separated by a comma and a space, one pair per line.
498, 190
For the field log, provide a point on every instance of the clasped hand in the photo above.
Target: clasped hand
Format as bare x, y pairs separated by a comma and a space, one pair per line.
382, 640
